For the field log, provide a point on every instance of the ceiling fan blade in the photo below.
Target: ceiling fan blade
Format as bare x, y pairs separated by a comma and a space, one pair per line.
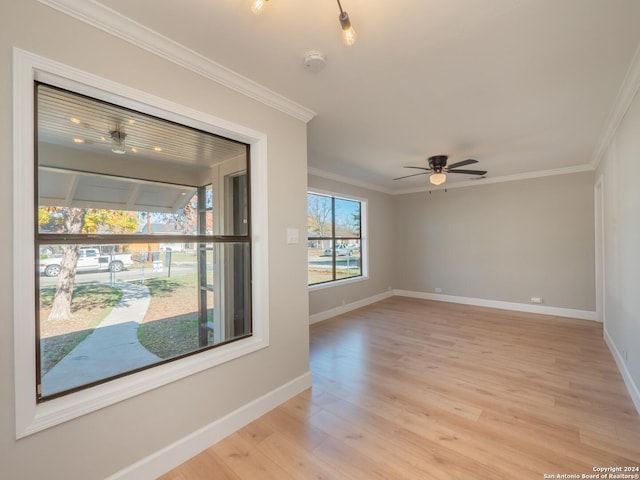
469, 172
420, 168
414, 175
468, 161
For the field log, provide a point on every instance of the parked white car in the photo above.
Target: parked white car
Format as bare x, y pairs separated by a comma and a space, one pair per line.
89, 259
341, 250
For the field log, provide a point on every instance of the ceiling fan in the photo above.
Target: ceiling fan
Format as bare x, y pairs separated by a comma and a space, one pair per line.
438, 169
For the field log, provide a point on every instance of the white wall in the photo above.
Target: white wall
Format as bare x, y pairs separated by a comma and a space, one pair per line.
620, 173
503, 242
379, 250
99, 444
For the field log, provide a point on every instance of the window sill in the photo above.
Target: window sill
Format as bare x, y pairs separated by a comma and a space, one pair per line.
338, 283
59, 410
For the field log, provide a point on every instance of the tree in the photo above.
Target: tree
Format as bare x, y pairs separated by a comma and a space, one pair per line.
73, 221
111, 221
69, 220
319, 215
356, 223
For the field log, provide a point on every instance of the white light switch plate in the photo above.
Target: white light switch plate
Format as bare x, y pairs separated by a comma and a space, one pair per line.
292, 236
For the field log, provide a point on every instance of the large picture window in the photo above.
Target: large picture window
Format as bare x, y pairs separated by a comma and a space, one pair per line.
142, 243
334, 238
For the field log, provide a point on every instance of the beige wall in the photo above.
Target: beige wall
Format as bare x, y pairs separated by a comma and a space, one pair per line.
380, 260
620, 173
503, 241
101, 443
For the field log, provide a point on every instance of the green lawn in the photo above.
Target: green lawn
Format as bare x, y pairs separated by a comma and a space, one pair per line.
90, 304
170, 327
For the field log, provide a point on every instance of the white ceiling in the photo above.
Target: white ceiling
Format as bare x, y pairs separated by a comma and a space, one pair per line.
68, 188
523, 86
75, 121
75, 124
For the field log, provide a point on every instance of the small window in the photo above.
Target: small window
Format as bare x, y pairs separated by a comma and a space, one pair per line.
142, 243
334, 235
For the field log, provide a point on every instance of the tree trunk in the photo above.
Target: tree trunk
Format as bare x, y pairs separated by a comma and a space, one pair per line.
61, 308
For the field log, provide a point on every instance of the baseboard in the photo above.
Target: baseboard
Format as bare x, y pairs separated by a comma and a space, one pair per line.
632, 388
173, 455
518, 307
334, 312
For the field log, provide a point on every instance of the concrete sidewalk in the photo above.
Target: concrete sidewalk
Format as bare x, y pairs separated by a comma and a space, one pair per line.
111, 349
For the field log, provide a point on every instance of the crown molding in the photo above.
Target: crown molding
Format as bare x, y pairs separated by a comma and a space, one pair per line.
99, 16
467, 183
626, 94
348, 180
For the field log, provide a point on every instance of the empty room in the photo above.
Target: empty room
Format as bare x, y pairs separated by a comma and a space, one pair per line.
273, 239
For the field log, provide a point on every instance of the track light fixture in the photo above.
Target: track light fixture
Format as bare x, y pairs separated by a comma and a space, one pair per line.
348, 33
258, 5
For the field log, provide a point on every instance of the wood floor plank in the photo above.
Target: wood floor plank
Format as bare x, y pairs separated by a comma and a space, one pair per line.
416, 389
296, 460
246, 460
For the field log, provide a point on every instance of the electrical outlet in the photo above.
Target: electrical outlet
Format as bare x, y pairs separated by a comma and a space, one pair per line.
536, 299
437, 290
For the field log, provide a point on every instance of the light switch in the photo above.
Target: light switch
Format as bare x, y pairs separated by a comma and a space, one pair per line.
292, 236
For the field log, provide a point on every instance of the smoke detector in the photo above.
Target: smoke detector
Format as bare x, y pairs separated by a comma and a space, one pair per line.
314, 61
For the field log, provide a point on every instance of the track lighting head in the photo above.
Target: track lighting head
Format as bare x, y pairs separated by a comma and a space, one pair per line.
348, 33
258, 5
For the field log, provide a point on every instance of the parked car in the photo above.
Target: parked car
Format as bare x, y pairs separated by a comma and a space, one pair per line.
89, 259
341, 250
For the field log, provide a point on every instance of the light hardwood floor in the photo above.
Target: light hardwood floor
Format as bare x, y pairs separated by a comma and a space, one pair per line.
414, 389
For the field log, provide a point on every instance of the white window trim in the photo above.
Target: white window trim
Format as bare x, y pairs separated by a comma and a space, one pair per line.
32, 417
364, 240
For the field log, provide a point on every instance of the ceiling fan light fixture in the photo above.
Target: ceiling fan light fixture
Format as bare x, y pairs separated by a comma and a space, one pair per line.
437, 178
258, 5
118, 142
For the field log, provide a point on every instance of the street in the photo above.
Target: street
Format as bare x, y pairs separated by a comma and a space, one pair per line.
134, 273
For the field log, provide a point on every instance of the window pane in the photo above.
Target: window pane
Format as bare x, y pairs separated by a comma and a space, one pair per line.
132, 307
347, 218
320, 261
230, 267
342, 218
120, 176
348, 259
319, 216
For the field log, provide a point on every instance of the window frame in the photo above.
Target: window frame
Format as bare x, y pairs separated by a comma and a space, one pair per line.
364, 244
200, 238
31, 416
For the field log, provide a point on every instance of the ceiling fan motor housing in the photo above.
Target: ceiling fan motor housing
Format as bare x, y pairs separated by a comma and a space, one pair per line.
438, 162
